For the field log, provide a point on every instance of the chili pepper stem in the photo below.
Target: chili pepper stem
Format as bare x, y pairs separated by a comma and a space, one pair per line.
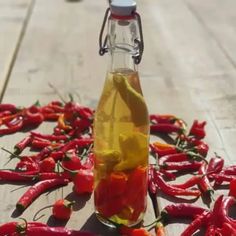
194, 155
87, 151
21, 228
158, 219
57, 92
35, 218
11, 153
73, 173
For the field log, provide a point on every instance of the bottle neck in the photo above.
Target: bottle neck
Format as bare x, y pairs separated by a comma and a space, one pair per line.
121, 44
119, 61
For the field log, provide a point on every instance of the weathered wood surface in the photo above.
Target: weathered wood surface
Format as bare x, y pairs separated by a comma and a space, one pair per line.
59, 47
188, 69
14, 15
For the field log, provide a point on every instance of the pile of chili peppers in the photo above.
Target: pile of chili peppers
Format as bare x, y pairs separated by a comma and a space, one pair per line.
66, 155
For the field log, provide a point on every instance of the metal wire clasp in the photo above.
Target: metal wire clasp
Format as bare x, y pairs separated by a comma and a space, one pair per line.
103, 45
139, 42
138, 57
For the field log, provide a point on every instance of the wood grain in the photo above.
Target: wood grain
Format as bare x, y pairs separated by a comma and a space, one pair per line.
60, 47
187, 69
14, 15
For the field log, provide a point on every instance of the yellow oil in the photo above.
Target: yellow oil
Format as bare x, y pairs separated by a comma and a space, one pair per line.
121, 137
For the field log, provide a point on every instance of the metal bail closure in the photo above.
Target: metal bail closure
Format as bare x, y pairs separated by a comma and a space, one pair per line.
123, 8
103, 45
140, 43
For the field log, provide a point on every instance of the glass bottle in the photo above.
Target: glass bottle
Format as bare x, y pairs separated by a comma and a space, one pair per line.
121, 126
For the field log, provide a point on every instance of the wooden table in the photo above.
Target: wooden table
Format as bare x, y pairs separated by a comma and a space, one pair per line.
188, 69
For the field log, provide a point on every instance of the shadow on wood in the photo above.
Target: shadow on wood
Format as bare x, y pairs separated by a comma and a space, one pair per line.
93, 225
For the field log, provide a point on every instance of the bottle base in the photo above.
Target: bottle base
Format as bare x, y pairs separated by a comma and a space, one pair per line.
104, 221
111, 225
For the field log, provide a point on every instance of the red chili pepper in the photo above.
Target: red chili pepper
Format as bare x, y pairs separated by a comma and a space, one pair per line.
81, 125
198, 129
52, 175
57, 108
62, 209
215, 165
39, 143
71, 161
58, 131
220, 211
47, 165
183, 166
181, 210
9, 175
9, 118
230, 170
83, 181
33, 116
167, 174
166, 128
45, 152
80, 143
162, 149
56, 103
193, 141
33, 192
57, 231
25, 165
211, 230
220, 178
232, 188
136, 191
152, 188
13, 129
204, 183
74, 109
51, 116
8, 107
190, 182
202, 149
57, 155
178, 157
228, 230
86, 113
5, 113
11, 227
47, 109
50, 137
162, 119
20, 146
109, 194
196, 224
174, 191
227, 202
13, 122
8, 228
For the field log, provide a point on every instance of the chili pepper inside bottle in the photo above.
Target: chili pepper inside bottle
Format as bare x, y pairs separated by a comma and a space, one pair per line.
121, 128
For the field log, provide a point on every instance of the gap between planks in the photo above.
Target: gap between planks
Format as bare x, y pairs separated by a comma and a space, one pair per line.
9, 68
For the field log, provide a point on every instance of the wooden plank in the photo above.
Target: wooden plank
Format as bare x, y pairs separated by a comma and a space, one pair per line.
217, 20
13, 19
183, 72
60, 48
189, 75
